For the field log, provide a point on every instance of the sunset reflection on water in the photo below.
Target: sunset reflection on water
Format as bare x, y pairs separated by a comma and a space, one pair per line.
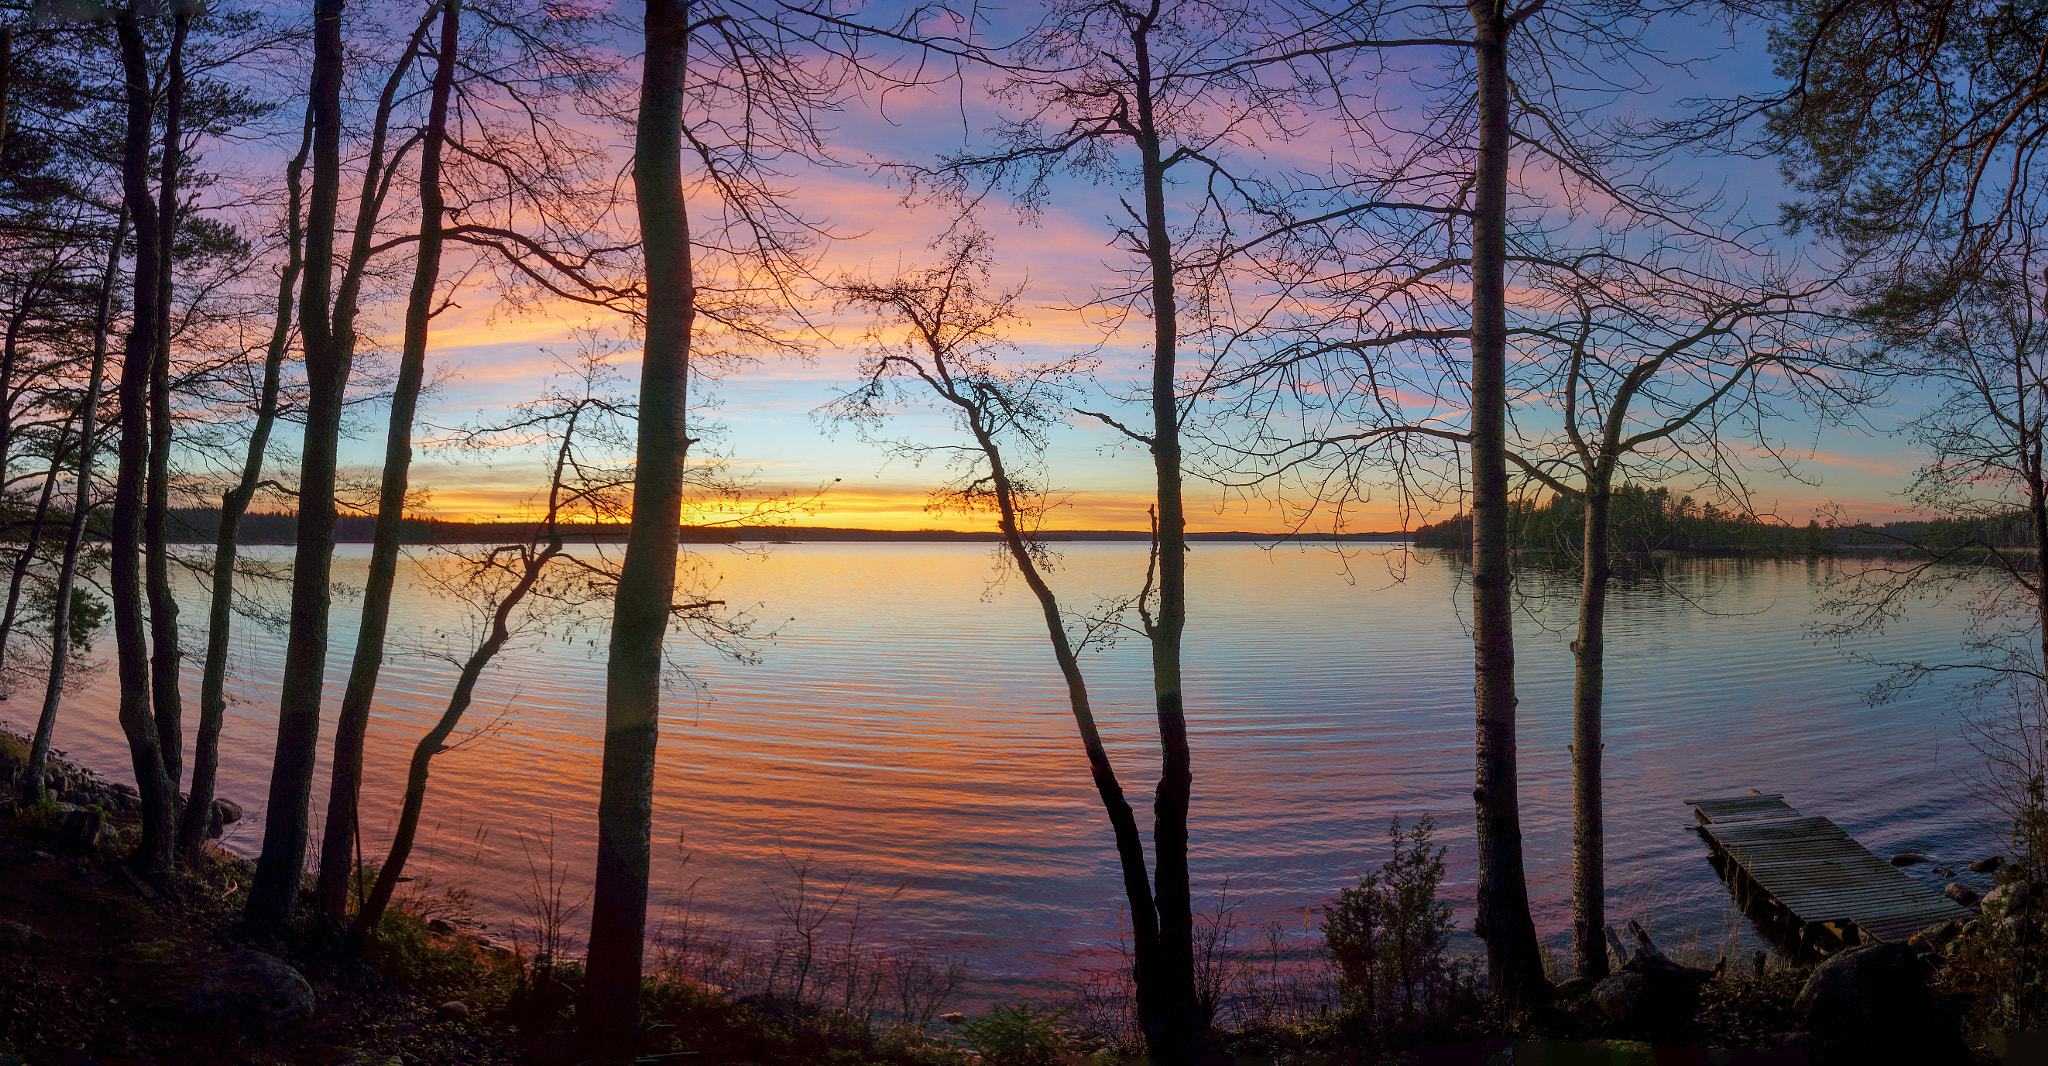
906, 721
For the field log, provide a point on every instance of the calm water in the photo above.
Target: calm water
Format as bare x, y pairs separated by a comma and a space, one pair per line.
906, 721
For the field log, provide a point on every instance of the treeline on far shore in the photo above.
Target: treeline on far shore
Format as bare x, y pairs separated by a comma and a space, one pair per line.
1647, 519
200, 525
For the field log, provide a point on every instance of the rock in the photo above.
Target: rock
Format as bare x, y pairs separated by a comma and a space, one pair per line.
247, 986
1986, 865
41, 856
2005, 897
17, 935
78, 830
1959, 892
226, 812
1938, 934
442, 926
1909, 858
953, 1017
1871, 1003
1943, 871
1650, 1003
1970, 927
454, 1010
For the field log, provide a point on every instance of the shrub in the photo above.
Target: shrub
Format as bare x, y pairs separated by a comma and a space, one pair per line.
1015, 1035
1386, 937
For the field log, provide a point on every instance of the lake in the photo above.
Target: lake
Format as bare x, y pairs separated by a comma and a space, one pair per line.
906, 721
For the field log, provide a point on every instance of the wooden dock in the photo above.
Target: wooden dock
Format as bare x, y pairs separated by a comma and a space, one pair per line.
1807, 875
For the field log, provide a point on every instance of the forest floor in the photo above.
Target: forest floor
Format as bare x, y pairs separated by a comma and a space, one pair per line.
98, 969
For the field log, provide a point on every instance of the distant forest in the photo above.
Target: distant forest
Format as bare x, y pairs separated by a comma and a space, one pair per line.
1651, 519
199, 525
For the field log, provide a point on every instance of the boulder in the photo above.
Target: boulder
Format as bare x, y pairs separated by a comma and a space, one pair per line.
225, 814
1649, 1002
17, 936
76, 829
454, 1010
245, 987
1872, 1003
1909, 858
1986, 865
1938, 934
2004, 898
1959, 892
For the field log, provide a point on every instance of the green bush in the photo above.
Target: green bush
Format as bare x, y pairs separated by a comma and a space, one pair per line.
1386, 938
441, 967
1016, 1035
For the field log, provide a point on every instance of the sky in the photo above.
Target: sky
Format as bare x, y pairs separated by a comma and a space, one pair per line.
770, 431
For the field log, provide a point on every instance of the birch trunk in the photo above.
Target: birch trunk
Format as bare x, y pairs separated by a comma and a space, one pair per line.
1589, 651
274, 893
338, 846
1514, 963
641, 611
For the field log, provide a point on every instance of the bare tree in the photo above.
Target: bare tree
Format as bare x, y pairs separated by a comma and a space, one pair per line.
152, 857
729, 89
499, 583
1661, 370
952, 330
68, 567
327, 314
338, 845
234, 504
1394, 367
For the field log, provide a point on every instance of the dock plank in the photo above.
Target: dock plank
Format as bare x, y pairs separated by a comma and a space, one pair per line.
1814, 870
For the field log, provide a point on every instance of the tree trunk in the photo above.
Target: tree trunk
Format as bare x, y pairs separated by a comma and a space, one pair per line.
6, 84
1123, 821
152, 857
166, 702
1166, 983
274, 893
234, 503
1589, 884
432, 743
67, 572
338, 846
27, 555
2032, 439
641, 610
10, 350
1514, 963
